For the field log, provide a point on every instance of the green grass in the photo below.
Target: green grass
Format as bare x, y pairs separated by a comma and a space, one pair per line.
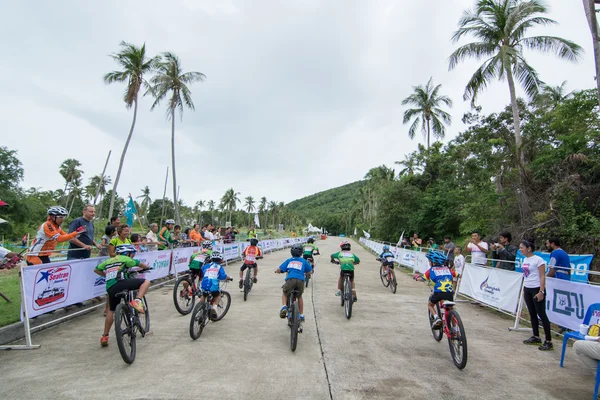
9, 285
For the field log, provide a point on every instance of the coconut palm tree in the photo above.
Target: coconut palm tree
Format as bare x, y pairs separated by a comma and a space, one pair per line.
198, 209
134, 65
229, 202
273, 210
500, 27
427, 112
211, 208
170, 82
69, 171
589, 7
409, 164
145, 204
551, 96
249, 206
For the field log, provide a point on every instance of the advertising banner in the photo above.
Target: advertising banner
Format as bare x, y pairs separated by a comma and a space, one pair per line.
567, 302
579, 262
495, 287
181, 258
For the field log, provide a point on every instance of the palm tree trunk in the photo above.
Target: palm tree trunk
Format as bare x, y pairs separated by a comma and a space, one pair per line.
428, 131
100, 184
114, 190
523, 198
173, 165
590, 13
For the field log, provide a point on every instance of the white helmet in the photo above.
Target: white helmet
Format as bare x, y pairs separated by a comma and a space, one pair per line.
58, 211
170, 221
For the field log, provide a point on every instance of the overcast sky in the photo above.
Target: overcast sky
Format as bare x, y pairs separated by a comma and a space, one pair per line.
300, 96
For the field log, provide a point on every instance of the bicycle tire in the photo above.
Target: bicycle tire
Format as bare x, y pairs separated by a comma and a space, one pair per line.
144, 318
459, 352
306, 279
197, 321
295, 326
223, 306
349, 300
437, 333
247, 284
125, 335
384, 278
393, 283
184, 304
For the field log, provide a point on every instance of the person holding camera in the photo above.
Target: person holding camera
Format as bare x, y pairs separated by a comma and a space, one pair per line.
504, 252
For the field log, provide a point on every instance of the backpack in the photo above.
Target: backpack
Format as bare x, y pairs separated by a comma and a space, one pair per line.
594, 330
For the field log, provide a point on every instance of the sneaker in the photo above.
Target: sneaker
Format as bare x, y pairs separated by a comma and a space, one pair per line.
137, 304
354, 298
241, 283
104, 341
437, 323
338, 293
255, 279
301, 318
533, 340
547, 346
213, 313
283, 312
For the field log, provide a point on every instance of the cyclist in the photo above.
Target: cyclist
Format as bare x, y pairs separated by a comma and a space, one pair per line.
197, 261
309, 250
347, 261
296, 267
114, 271
387, 259
250, 255
212, 273
164, 236
48, 234
441, 276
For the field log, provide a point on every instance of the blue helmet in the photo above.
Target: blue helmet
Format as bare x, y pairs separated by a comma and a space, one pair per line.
436, 257
386, 247
126, 249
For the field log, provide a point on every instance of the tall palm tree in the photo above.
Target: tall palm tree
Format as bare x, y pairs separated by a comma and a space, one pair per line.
229, 202
211, 208
427, 112
145, 205
171, 82
409, 164
69, 171
134, 65
500, 27
273, 209
198, 209
589, 7
249, 205
76, 192
551, 96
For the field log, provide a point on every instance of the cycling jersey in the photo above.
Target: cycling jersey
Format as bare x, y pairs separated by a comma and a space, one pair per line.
198, 259
441, 276
164, 236
250, 253
295, 267
309, 249
45, 241
212, 273
116, 269
347, 260
387, 256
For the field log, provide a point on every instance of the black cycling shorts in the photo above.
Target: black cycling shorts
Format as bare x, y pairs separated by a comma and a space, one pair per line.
125, 284
351, 273
437, 296
389, 264
214, 294
307, 256
243, 267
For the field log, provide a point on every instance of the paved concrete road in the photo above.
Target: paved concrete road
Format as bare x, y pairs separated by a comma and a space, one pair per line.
385, 351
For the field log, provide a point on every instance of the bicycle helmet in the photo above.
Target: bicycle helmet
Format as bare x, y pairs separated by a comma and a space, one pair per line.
216, 255
170, 221
345, 245
310, 240
206, 244
253, 242
386, 248
123, 249
436, 257
58, 211
296, 250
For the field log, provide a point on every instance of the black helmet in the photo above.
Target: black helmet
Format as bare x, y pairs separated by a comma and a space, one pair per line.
296, 250
345, 245
253, 242
311, 240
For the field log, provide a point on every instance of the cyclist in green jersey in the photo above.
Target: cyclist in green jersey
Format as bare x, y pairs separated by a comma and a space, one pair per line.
347, 261
308, 250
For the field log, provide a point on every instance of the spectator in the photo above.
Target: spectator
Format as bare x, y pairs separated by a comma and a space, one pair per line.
405, 243
8, 259
24, 241
560, 263
293, 234
122, 237
252, 233
589, 352
115, 221
109, 233
458, 265
152, 238
48, 234
504, 252
431, 243
228, 236
416, 242
203, 232
164, 236
534, 294
449, 247
215, 233
135, 241
195, 235
143, 244
478, 249
209, 233
81, 246
176, 234
234, 232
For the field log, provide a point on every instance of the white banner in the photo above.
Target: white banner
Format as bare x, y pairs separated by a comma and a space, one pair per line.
231, 251
495, 287
567, 302
181, 258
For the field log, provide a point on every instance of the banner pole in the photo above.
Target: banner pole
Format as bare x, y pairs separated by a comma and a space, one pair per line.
515, 327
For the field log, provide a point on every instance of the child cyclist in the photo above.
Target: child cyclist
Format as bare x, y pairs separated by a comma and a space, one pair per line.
295, 267
387, 259
347, 261
197, 260
115, 272
309, 250
250, 255
212, 273
441, 276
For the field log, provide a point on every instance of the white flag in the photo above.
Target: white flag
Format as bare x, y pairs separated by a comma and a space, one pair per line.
256, 221
367, 235
354, 231
400, 241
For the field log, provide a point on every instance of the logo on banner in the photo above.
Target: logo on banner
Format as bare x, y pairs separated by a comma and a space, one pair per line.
51, 286
181, 260
485, 287
566, 303
162, 261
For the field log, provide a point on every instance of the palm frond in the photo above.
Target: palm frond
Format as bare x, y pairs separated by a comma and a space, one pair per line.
413, 128
527, 77
474, 50
490, 69
562, 48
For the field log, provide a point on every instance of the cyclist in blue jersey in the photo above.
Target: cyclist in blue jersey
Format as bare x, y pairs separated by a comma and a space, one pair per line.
441, 276
387, 259
295, 267
212, 273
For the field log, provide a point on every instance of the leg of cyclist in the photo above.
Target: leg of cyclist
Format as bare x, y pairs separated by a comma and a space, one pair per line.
255, 273
141, 292
214, 303
284, 299
353, 288
436, 322
339, 286
242, 269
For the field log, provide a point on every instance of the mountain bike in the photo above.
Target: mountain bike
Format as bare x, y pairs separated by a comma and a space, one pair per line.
346, 297
308, 275
185, 292
249, 278
128, 322
387, 274
201, 314
293, 318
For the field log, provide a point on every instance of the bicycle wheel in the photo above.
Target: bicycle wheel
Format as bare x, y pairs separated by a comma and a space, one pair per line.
247, 280
348, 297
457, 340
393, 283
295, 319
223, 306
197, 322
184, 301
144, 318
438, 332
125, 333
306, 279
384, 278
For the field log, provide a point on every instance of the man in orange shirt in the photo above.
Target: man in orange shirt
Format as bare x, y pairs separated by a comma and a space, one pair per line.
48, 235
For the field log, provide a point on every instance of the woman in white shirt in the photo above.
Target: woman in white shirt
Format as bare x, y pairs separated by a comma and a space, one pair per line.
534, 294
